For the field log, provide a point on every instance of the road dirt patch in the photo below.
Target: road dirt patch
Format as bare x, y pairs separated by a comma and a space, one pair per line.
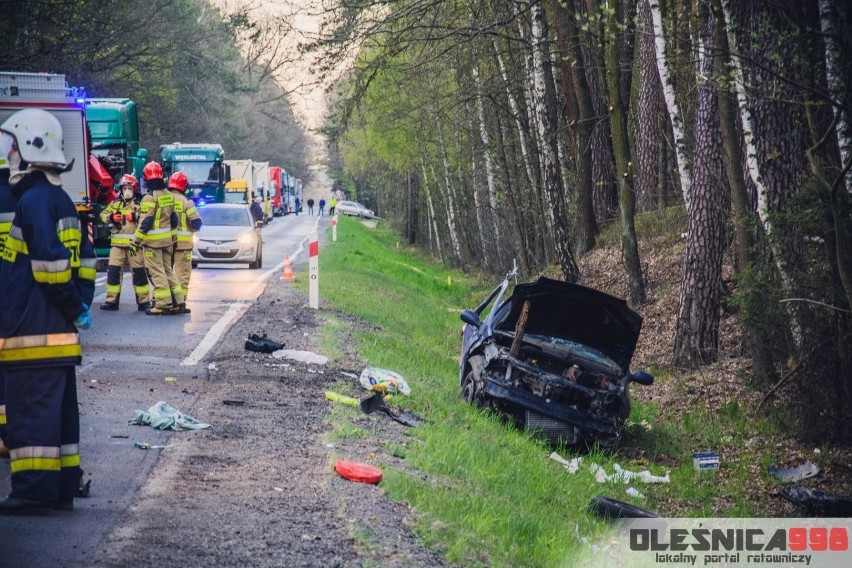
260, 489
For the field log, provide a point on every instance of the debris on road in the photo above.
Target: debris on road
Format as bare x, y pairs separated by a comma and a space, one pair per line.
612, 509
337, 397
376, 402
382, 380
798, 473
818, 503
619, 474
147, 446
162, 416
302, 356
356, 471
233, 402
262, 344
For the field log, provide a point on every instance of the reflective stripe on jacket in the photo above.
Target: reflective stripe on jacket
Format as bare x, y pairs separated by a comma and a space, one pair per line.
189, 221
121, 236
157, 220
47, 272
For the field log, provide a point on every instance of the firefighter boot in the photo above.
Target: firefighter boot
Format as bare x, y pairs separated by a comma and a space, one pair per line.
180, 309
110, 306
155, 311
144, 306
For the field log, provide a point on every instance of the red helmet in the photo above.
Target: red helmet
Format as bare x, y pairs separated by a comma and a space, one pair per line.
152, 170
178, 181
128, 179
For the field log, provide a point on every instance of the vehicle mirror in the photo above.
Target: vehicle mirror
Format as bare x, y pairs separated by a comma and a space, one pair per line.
642, 377
142, 153
470, 317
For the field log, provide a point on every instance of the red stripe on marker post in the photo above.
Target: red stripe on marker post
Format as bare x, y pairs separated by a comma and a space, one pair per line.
313, 270
313, 248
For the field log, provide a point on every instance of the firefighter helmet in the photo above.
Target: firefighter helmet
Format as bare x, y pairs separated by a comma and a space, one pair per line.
152, 170
178, 181
38, 136
129, 179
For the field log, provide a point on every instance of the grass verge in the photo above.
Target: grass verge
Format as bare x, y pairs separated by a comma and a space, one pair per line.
487, 493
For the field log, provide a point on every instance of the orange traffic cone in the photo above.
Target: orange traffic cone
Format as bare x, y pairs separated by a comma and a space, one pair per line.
288, 269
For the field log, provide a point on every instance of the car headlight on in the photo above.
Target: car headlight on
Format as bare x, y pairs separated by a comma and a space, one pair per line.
247, 239
195, 239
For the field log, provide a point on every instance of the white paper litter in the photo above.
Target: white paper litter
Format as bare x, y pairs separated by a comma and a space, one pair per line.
303, 356
572, 466
626, 476
633, 492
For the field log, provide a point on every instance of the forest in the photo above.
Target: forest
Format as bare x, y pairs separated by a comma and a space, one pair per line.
181, 62
492, 130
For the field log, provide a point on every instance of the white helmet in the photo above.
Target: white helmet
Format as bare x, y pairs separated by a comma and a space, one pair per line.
5, 147
38, 135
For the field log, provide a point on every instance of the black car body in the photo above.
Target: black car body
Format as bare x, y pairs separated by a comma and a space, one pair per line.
567, 374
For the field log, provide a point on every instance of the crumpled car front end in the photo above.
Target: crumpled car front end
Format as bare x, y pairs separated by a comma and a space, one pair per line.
554, 358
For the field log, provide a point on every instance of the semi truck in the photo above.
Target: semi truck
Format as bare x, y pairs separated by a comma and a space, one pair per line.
239, 170
114, 130
51, 92
203, 164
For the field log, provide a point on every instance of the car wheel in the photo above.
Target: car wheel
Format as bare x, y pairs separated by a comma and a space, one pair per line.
470, 391
613, 509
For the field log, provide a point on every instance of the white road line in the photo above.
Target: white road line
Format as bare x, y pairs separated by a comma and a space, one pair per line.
233, 313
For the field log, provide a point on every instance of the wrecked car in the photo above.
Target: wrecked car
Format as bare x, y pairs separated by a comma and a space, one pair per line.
554, 357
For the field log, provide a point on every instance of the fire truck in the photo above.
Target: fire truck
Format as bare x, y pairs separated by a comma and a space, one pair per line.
87, 183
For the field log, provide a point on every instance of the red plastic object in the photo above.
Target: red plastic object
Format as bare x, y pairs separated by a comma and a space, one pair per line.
355, 471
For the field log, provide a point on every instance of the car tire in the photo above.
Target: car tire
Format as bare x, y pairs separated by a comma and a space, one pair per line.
194, 264
613, 509
469, 390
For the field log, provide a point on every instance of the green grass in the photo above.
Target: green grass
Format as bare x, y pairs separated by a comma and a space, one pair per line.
485, 492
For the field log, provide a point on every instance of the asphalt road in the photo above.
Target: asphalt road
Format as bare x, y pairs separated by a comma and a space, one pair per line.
131, 361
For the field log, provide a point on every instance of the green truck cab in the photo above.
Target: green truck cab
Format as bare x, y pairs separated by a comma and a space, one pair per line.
203, 164
114, 128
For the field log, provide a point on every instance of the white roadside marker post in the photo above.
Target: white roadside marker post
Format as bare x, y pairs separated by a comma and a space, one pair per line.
313, 270
334, 227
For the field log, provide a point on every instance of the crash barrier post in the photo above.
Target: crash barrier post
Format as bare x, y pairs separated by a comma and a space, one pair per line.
334, 227
313, 270
287, 273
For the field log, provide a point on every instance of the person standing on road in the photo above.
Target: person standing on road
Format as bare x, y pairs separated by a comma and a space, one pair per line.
298, 205
47, 275
256, 211
155, 233
331, 205
123, 216
8, 204
321, 207
310, 206
189, 221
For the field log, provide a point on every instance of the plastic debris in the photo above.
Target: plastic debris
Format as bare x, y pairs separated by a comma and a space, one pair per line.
798, 473
337, 397
262, 344
303, 356
818, 503
233, 402
633, 492
356, 471
382, 380
625, 476
572, 466
376, 403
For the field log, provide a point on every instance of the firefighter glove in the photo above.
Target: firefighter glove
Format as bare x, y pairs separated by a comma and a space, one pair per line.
84, 320
117, 218
132, 249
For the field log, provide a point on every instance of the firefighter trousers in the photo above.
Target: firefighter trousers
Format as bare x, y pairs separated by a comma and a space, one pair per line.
118, 256
183, 270
167, 290
43, 433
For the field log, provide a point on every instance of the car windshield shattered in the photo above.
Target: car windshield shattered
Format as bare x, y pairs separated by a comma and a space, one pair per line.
553, 357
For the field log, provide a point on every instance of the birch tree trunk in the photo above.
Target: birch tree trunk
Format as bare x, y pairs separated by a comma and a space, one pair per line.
839, 86
432, 219
675, 116
545, 101
487, 157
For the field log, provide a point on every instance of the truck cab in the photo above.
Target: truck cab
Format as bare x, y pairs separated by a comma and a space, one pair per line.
203, 164
114, 130
236, 191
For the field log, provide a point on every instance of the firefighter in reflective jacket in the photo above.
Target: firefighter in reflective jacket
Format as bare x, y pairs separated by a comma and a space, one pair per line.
189, 221
8, 203
123, 216
47, 277
156, 234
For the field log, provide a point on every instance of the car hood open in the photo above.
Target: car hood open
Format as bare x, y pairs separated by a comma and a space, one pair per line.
576, 313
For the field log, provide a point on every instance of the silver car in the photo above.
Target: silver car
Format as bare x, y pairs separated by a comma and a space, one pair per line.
229, 234
353, 208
